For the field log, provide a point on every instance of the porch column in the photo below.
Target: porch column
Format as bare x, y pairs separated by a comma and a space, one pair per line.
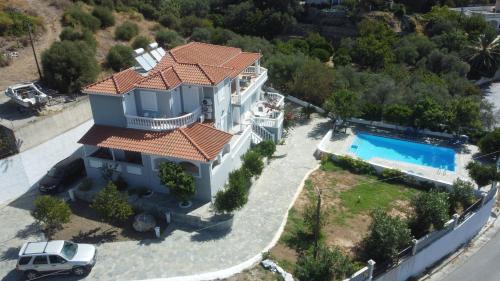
113, 154
257, 67
237, 79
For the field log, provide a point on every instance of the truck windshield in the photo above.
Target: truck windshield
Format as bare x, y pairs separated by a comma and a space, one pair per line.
69, 250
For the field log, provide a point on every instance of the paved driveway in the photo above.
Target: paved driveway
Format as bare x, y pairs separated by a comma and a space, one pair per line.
187, 253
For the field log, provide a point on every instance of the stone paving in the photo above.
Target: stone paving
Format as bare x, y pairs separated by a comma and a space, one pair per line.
184, 253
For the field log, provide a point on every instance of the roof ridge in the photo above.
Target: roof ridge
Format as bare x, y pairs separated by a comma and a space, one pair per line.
194, 143
115, 84
213, 128
164, 80
206, 74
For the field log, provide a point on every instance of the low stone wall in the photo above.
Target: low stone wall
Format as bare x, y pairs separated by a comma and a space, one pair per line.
304, 103
399, 128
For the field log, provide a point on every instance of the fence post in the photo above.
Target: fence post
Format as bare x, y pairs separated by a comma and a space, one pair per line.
371, 267
414, 248
455, 220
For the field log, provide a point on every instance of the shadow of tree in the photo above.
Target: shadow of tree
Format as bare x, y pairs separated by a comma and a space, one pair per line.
9, 254
210, 235
95, 236
13, 275
28, 230
319, 130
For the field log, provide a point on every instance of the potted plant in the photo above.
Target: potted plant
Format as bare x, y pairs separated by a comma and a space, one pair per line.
181, 184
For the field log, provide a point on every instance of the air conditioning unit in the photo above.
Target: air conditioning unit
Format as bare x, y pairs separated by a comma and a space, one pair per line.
208, 115
207, 102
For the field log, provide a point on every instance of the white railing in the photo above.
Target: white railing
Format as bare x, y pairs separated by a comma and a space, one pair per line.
255, 84
275, 99
162, 124
250, 70
262, 132
274, 121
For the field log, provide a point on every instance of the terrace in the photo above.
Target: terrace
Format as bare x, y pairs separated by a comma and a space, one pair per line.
251, 79
163, 124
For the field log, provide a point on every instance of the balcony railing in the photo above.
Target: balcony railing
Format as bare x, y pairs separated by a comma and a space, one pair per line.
162, 124
275, 99
255, 83
273, 121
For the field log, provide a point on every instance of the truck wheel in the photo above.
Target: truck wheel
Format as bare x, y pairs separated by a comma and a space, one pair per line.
80, 271
31, 274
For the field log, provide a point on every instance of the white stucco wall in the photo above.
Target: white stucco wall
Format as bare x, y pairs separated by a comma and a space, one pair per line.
21, 172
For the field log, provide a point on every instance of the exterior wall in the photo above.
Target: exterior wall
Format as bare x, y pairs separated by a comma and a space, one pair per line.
108, 110
222, 105
167, 103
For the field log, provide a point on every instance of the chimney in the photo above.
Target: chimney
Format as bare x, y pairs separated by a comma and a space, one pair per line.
497, 6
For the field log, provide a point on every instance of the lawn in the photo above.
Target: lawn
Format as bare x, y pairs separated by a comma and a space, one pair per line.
347, 201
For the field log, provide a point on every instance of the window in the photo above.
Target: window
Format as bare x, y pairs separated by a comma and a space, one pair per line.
148, 101
24, 260
40, 260
69, 249
133, 157
56, 259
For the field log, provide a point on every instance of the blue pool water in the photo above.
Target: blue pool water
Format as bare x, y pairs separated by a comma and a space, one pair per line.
367, 146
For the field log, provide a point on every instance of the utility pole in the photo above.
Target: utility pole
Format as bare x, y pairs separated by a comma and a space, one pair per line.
34, 53
318, 222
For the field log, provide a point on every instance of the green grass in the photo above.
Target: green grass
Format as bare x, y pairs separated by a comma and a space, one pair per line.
329, 166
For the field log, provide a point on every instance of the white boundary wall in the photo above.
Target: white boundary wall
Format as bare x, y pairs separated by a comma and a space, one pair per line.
20, 172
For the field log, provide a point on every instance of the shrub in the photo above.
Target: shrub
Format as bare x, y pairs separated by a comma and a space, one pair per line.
230, 199
120, 57
111, 205
393, 175
51, 211
387, 237
490, 143
68, 66
189, 23
180, 183
170, 21
168, 38
266, 148
141, 42
105, 15
322, 54
329, 264
126, 31
462, 193
75, 16
482, 174
252, 161
14, 23
240, 177
71, 34
354, 165
431, 210
86, 184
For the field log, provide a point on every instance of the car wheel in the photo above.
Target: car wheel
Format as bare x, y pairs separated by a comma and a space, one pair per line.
31, 275
80, 271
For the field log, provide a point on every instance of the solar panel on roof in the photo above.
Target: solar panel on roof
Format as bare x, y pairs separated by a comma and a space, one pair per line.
149, 59
156, 55
161, 51
143, 63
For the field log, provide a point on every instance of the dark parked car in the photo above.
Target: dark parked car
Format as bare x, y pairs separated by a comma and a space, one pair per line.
61, 175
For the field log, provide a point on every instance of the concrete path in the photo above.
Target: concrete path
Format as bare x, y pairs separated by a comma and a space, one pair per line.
187, 253
492, 94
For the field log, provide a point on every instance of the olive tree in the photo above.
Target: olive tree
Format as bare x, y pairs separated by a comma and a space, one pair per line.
180, 183
51, 211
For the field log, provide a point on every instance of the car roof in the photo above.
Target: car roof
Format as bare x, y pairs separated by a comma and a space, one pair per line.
33, 248
67, 161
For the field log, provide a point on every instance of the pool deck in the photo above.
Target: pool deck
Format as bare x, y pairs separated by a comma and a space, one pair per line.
340, 144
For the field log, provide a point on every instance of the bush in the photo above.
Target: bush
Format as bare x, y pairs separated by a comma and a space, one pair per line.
86, 184
105, 15
354, 165
170, 21
120, 57
180, 183
75, 16
252, 161
387, 237
126, 31
68, 66
431, 210
51, 211
330, 264
111, 205
393, 175
462, 193
490, 143
482, 174
322, 54
266, 148
14, 23
141, 42
189, 23
71, 34
168, 38
230, 199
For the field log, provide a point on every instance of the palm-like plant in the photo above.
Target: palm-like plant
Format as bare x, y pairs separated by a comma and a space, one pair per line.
485, 57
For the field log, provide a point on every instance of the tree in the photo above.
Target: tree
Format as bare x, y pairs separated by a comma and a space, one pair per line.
266, 148
343, 104
252, 161
105, 15
120, 57
427, 113
387, 237
85, 35
431, 209
485, 57
282, 67
313, 75
68, 66
189, 23
465, 113
141, 42
462, 193
112, 205
51, 211
490, 143
181, 184
329, 264
126, 31
168, 38
482, 174
75, 16
170, 21
398, 114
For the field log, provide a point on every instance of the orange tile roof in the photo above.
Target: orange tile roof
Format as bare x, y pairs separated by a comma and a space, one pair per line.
198, 142
192, 63
118, 83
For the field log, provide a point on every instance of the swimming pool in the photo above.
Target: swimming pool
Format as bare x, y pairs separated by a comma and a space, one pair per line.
367, 146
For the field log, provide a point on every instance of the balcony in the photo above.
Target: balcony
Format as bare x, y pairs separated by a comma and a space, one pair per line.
162, 124
250, 80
